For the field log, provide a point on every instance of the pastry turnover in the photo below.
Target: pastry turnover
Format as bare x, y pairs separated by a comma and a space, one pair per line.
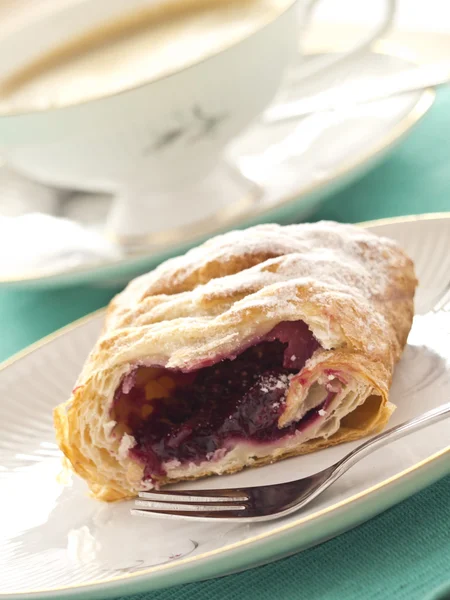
256, 346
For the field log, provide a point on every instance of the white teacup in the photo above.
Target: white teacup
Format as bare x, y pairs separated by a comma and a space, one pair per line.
159, 147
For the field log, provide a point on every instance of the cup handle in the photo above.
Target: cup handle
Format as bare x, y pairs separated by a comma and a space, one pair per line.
327, 62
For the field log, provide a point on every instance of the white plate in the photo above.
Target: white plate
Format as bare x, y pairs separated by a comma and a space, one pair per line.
56, 541
295, 165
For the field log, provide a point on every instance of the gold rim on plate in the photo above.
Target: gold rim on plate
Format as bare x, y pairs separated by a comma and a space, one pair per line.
283, 528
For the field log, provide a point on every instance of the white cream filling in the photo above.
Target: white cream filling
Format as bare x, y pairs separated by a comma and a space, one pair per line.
247, 453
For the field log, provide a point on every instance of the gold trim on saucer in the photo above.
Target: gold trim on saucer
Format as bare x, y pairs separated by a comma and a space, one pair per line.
264, 536
254, 210
189, 233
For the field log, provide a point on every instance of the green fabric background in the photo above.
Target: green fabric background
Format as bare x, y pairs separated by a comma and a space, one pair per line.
401, 554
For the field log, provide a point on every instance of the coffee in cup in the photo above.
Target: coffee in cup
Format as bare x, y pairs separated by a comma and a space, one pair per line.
134, 50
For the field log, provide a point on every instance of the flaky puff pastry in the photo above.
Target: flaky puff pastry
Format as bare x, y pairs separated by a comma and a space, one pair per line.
351, 288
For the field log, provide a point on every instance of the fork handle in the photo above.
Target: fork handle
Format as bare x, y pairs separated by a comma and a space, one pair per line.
395, 433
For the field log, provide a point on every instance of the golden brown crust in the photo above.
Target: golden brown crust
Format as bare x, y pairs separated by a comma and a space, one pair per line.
355, 292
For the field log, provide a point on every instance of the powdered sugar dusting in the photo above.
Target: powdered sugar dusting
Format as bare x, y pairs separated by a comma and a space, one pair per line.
341, 254
266, 271
272, 263
270, 382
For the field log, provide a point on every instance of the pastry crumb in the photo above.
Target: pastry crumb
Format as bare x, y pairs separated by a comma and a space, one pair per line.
127, 442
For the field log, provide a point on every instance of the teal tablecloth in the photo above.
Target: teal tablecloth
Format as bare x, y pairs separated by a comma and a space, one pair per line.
403, 553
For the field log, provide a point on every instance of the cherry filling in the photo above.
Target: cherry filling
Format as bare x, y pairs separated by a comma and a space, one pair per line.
190, 417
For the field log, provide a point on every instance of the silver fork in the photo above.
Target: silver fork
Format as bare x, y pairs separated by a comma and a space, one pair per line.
267, 502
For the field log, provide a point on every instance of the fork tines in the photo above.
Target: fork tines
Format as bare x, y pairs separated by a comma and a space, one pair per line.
202, 504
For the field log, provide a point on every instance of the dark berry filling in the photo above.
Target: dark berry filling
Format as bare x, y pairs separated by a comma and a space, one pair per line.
188, 417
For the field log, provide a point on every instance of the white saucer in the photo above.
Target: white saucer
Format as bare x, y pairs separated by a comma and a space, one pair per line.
294, 166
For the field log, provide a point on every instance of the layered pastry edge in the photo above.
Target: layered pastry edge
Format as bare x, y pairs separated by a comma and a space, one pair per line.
183, 316
348, 375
